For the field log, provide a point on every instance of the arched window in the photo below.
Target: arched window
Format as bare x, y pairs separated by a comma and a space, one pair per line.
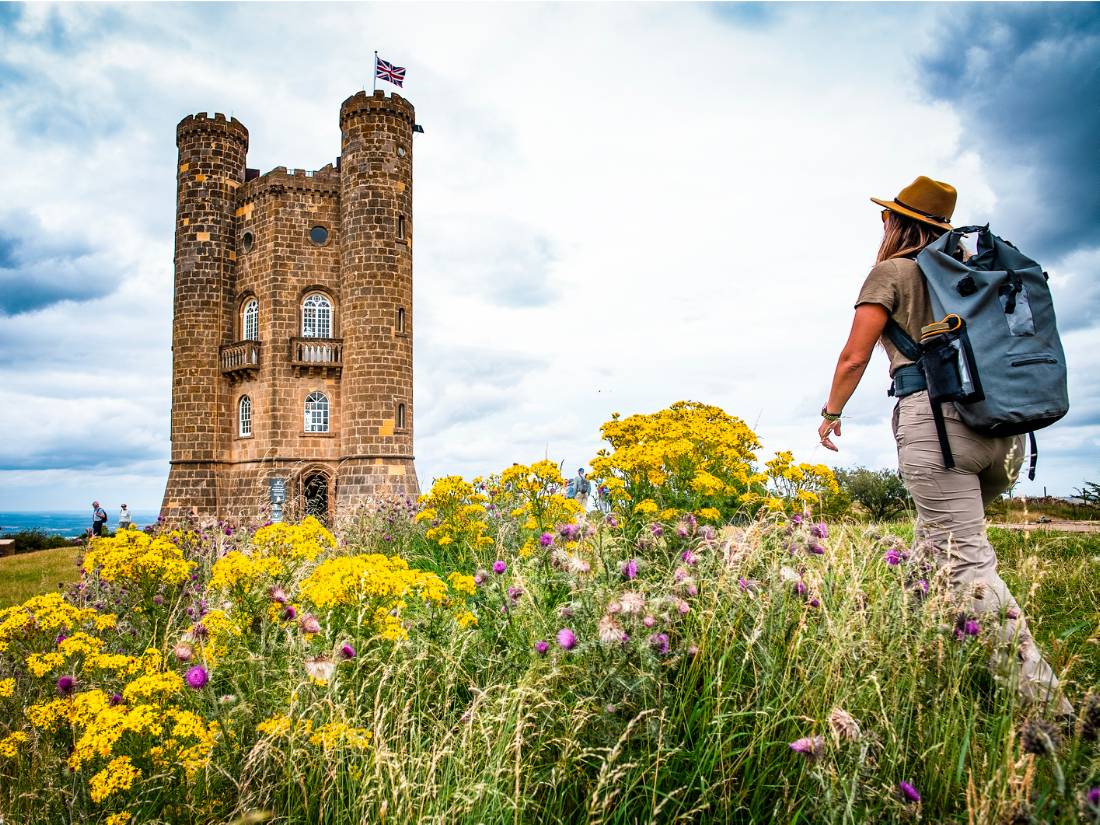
316, 316
316, 413
250, 320
400, 416
244, 416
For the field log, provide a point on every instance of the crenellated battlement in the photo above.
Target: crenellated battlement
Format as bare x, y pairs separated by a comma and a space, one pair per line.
203, 122
324, 181
363, 103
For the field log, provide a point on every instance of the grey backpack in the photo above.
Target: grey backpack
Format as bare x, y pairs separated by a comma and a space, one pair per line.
1003, 365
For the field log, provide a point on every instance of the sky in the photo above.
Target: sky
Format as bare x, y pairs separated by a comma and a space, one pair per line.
617, 206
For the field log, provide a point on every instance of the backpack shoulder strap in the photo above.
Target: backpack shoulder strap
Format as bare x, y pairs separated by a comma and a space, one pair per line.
900, 339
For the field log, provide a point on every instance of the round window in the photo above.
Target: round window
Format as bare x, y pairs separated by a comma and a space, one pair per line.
247, 241
318, 235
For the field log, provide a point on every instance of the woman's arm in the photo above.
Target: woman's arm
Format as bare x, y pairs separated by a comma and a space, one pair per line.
867, 328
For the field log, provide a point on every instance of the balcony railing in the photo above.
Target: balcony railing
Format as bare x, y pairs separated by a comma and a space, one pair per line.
317, 353
240, 359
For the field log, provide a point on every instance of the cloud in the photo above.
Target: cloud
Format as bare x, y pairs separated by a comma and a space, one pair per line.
1023, 79
38, 268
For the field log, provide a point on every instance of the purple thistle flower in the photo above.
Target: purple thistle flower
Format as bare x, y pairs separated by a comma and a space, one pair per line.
279, 595
499, 567
892, 557
908, 792
347, 651
480, 576
649, 621
116, 699
1093, 797
567, 639
309, 624
629, 569
819, 531
568, 532
183, 652
971, 627
796, 519
657, 530
689, 557
66, 685
683, 607
60, 638
921, 586
289, 612
612, 521
541, 646
816, 548
158, 600
815, 602
197, 677
545, 540
707, 532
800, 588
659, 642
810, 746
681, 531
228, 530
514, 593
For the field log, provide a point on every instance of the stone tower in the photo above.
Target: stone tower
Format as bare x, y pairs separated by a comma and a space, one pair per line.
292, 333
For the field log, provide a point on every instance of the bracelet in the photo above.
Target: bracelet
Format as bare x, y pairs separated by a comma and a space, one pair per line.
828, 416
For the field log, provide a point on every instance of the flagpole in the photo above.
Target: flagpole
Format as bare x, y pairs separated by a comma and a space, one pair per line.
374, 73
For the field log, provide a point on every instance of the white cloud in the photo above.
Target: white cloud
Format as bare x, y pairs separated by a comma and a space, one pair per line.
617, 206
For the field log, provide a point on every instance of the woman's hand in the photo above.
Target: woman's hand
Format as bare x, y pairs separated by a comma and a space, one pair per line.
826, 429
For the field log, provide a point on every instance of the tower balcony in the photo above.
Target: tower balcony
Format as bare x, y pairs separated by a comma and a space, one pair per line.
317, 354
240, 360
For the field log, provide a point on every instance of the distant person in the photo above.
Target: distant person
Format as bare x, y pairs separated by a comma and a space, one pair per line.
99, 519
125, 520
581, 488
950, 529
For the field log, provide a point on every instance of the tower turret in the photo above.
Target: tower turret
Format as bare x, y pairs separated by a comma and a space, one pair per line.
376, 281
211, 168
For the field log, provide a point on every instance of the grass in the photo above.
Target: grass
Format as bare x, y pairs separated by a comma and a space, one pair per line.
28, 574
474, 726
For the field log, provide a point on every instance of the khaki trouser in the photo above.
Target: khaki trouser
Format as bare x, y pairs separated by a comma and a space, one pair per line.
950, 529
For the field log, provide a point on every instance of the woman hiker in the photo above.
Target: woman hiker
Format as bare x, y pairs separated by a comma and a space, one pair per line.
951, 503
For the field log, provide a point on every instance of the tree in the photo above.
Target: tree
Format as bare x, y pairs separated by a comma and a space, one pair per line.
880, 492
1090, 493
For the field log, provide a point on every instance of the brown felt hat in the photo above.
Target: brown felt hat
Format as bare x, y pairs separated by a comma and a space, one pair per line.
925, 200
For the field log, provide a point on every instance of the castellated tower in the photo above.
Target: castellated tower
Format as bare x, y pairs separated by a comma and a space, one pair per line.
292, 333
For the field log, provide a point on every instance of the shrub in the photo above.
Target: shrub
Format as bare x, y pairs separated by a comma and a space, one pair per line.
880, 492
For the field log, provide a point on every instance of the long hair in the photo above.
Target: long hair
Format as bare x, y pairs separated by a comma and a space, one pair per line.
903, 236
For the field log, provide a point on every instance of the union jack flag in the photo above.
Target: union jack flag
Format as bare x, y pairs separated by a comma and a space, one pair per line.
387, 71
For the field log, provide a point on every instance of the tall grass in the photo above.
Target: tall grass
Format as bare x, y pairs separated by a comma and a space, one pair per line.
477, 726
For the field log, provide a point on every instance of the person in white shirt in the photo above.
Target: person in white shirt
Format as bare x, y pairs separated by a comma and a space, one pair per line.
125, 520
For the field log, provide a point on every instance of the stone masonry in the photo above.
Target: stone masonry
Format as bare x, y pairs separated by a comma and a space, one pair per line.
254, 253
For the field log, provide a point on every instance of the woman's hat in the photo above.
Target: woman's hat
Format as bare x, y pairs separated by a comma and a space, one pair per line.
925, 200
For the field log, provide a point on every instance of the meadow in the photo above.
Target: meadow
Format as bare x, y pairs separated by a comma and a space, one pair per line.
722, 643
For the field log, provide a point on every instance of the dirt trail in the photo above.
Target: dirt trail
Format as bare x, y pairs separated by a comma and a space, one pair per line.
1054, 526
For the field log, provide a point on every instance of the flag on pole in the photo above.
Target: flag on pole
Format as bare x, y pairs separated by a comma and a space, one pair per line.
384, 70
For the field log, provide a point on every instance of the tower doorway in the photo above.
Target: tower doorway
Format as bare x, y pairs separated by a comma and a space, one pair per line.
315, 496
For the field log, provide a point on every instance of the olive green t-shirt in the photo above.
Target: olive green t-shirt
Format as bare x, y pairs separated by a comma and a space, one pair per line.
897, 285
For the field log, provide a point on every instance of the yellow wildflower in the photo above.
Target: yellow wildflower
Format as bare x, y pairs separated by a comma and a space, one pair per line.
119, 775
40, 664
156, 688
7, 688
9, 745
